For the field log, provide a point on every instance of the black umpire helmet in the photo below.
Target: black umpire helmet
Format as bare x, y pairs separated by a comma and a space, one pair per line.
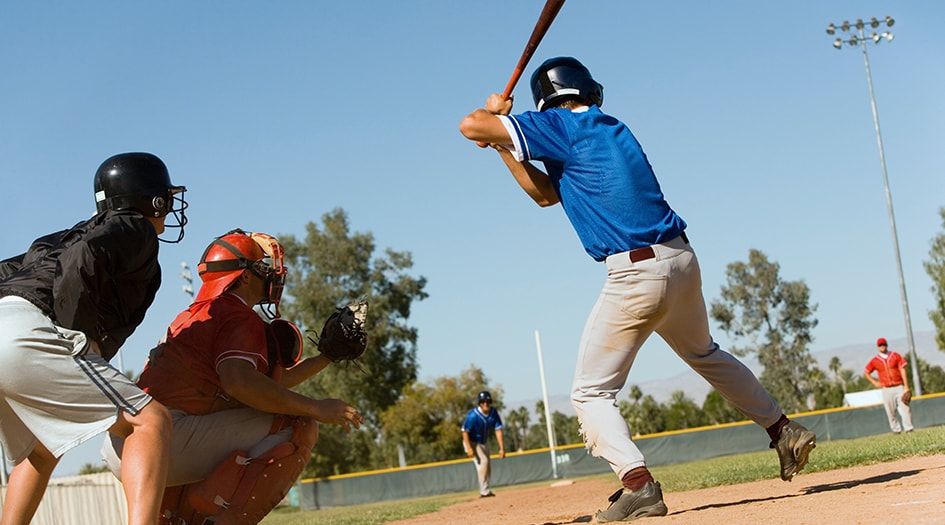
139, 181
560, 78
484, 397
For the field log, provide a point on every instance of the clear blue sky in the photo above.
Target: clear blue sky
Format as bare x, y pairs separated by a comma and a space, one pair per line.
273, 113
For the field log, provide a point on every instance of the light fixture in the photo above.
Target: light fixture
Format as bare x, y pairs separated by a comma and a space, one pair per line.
859, 37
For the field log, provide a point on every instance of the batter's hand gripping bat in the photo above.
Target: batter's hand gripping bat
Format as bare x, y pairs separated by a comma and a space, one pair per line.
547, 16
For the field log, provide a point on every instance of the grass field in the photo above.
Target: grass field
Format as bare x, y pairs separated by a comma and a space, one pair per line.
727, 470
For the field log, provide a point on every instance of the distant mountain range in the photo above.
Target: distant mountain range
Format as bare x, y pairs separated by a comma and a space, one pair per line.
852, 357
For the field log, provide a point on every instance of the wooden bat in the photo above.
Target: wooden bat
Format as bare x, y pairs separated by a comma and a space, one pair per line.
547, 16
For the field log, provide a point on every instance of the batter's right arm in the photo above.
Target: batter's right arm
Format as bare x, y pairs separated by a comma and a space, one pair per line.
486, 128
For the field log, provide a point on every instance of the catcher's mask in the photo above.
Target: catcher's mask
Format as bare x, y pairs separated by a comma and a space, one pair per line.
229, 256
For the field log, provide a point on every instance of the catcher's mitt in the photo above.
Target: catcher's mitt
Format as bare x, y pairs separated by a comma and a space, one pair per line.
343, 337
907, 397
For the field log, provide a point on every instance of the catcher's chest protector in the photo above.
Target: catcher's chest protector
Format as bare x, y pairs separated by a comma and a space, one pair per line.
242, 490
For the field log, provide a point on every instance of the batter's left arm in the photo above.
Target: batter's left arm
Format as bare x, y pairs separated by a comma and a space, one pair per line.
535, 182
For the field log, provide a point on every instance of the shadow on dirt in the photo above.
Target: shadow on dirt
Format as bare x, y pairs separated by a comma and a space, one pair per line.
841, 485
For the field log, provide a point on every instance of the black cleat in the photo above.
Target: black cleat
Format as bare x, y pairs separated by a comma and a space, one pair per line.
793, 446
626, 505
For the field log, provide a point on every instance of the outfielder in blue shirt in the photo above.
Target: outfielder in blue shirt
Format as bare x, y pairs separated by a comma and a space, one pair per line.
479, 424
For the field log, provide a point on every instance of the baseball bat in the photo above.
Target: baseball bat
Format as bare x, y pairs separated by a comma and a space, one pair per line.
547, 16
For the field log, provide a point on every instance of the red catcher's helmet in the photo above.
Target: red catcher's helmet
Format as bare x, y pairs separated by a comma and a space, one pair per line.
227, 257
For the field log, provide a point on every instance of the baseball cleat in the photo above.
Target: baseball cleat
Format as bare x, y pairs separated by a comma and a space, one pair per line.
626, 505
793, 446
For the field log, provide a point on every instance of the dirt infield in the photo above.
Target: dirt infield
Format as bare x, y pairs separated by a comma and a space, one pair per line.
905, 491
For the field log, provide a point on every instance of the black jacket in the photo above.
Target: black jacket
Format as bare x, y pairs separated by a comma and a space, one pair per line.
99, 277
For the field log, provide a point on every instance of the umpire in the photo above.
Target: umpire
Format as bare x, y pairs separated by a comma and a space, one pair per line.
480, 422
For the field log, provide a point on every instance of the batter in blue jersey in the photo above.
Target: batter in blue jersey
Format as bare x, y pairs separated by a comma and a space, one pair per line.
596, 169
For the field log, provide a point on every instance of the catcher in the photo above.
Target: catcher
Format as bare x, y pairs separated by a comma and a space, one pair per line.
240, 436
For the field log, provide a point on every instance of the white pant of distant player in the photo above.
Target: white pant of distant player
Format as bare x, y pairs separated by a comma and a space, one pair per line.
892, 400
663, 295
483, 470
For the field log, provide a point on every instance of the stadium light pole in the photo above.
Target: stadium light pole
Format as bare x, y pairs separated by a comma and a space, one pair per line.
854, 34
188, 278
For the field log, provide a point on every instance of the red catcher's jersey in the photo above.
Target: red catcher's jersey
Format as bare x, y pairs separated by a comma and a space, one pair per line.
198, 340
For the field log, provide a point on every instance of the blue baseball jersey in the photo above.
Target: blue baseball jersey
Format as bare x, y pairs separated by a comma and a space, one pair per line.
602, 176
479, 425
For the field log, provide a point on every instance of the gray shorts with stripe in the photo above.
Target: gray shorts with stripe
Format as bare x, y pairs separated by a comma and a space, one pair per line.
53, 389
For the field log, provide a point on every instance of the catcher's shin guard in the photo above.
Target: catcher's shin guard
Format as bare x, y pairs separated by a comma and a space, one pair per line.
242, 490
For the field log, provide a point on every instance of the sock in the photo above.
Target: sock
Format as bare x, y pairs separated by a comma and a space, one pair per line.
774, 431
636, 478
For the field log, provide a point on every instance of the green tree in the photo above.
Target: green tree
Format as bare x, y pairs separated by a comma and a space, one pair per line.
330, 267
855, 381
643, 413
515, 426
935, 267
89, 468
827, 393
933, 376
835, 368
426, 421
567, 428
776, 319
682, 412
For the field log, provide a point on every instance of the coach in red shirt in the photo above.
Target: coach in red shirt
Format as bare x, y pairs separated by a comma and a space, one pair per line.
893, 380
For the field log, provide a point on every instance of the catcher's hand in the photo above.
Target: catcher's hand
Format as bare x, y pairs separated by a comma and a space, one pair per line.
907, 397
343, 337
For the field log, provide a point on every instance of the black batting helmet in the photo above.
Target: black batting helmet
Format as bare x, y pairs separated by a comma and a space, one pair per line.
564, 77
139, 181
484, 396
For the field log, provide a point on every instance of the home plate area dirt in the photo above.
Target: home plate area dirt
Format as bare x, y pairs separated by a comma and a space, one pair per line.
910, 491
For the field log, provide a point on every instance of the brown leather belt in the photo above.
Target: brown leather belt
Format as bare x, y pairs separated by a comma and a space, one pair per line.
642, 254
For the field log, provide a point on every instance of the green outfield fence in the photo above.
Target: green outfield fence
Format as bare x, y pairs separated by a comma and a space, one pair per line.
572, 461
